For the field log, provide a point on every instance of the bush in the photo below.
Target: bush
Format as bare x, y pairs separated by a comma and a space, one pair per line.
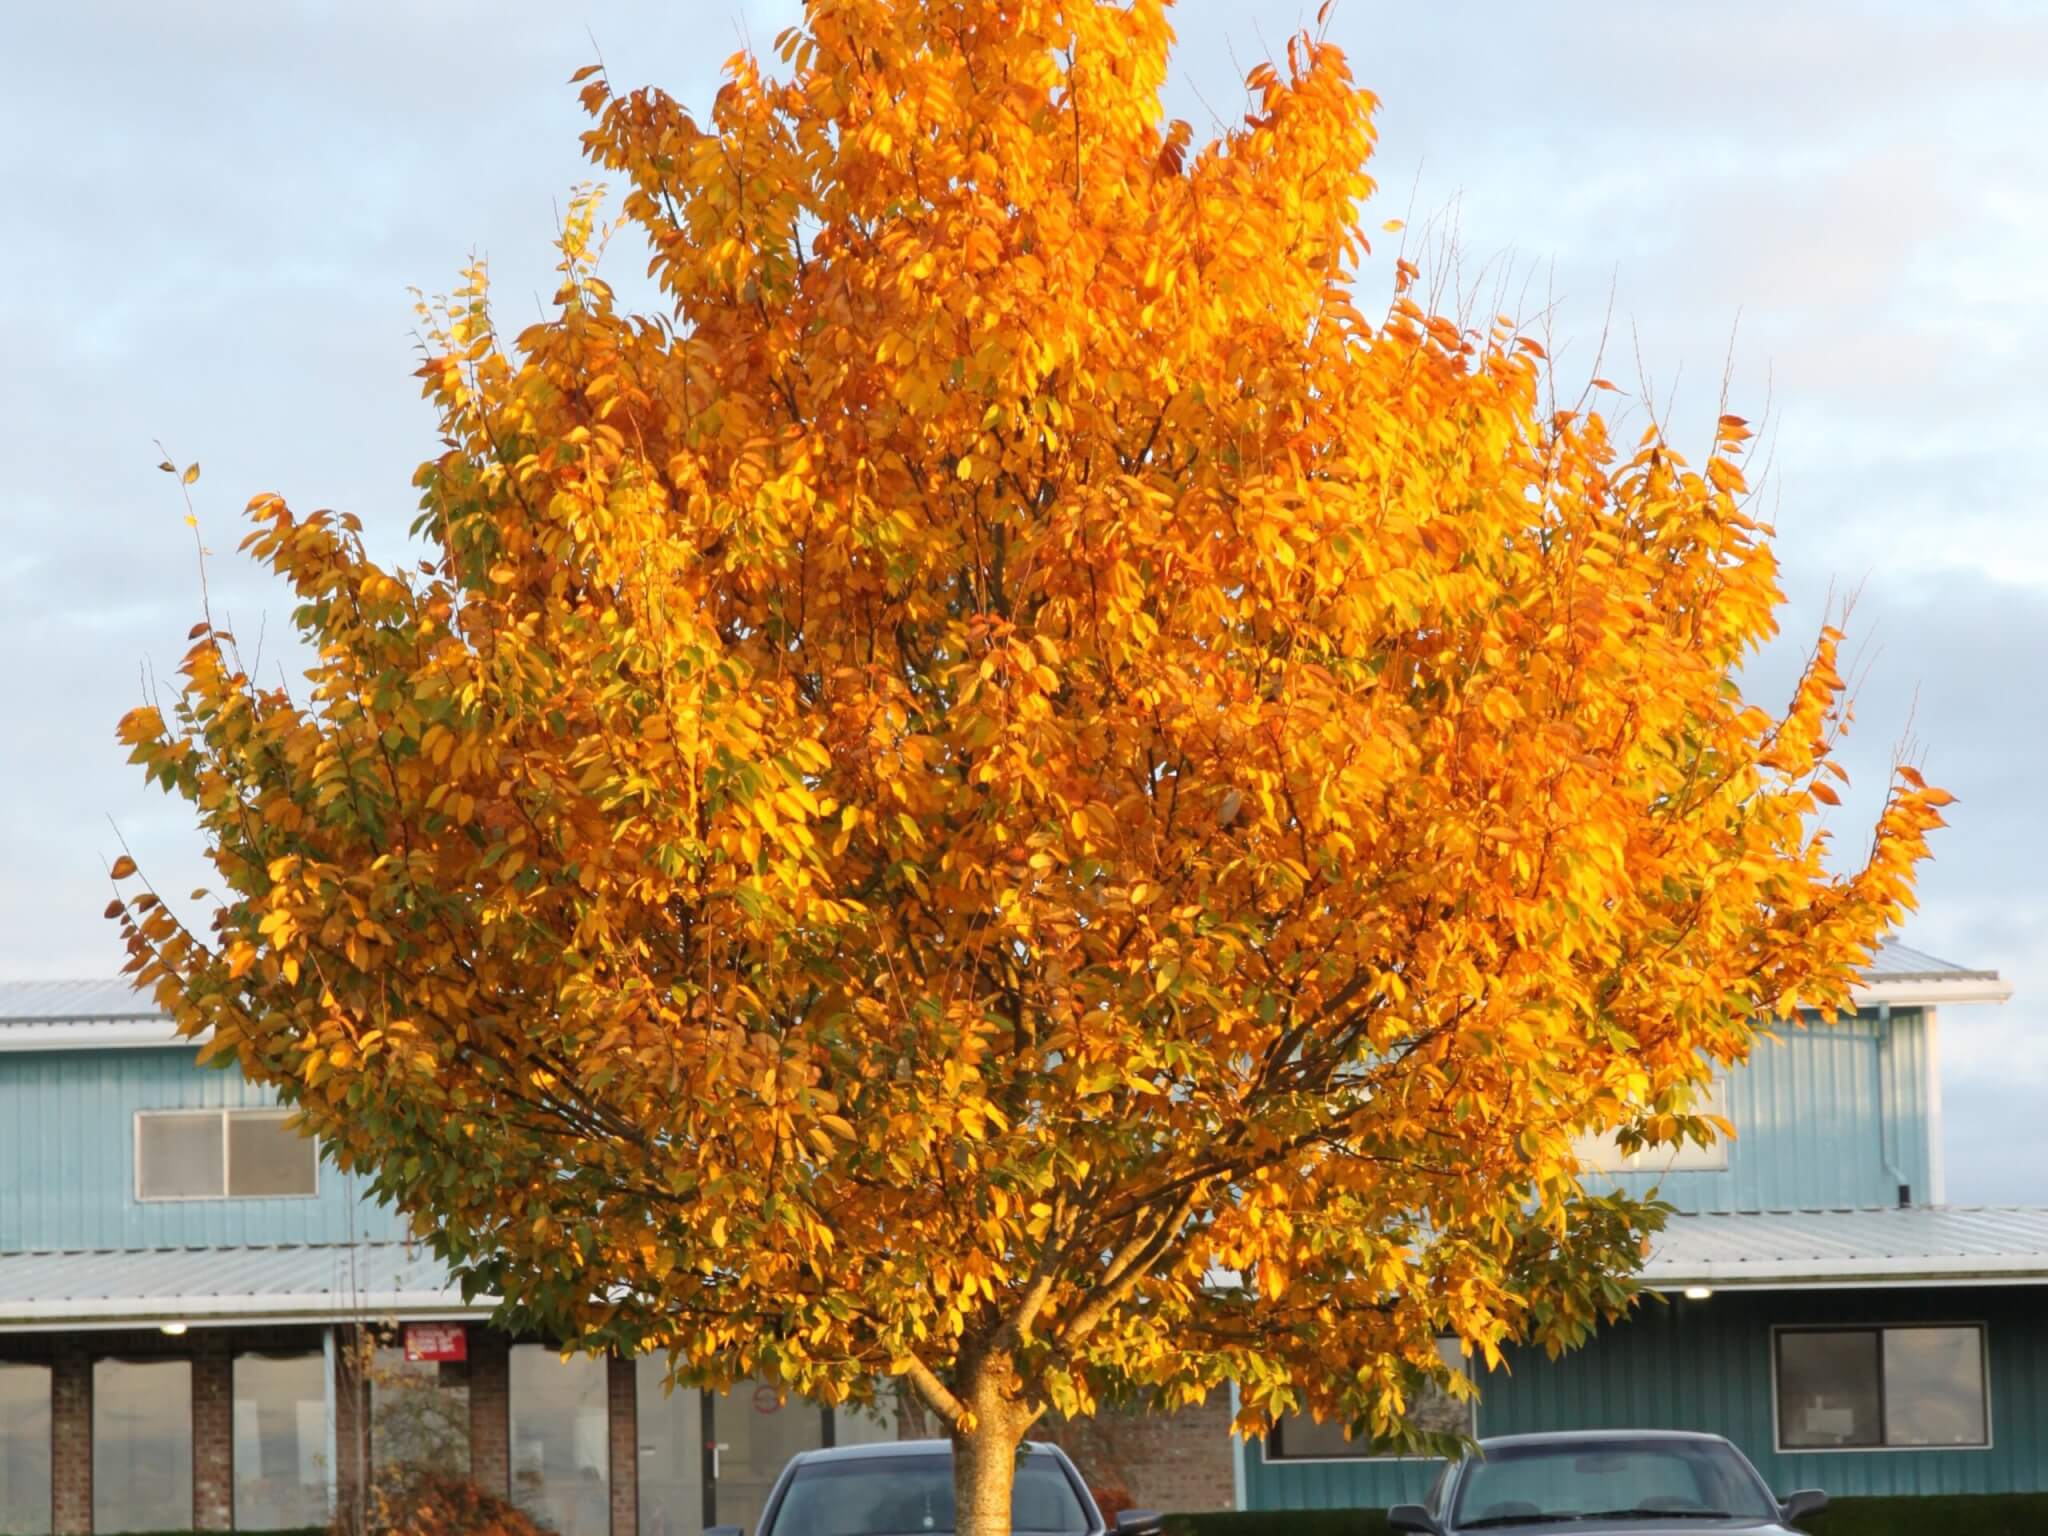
437, 1504
1281, 1522
1961, 1514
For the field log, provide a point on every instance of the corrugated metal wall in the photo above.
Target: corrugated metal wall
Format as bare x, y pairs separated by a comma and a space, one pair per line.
67, 1159
1828, 1117
1707, 1366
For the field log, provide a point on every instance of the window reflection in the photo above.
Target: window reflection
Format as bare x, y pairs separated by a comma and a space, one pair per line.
1934, 1387
1908, 1386
560, 1461
25, 1449
671, 1452
141, 1445
280, 1441
419, 1414
1828, 1390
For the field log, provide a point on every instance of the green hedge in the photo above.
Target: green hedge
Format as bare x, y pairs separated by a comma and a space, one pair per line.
1281, 1522
1963, 1514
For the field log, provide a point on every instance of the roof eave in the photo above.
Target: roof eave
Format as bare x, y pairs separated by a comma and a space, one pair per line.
94, 1035
237, 1311
1807, 1274
1930, 992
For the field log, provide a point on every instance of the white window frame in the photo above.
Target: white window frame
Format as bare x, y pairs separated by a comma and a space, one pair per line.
226, 1116
1983, 1330
1600, 1154
1471, 1406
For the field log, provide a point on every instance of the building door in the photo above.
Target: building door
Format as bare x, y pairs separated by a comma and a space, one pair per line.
752, 1434
709, 1458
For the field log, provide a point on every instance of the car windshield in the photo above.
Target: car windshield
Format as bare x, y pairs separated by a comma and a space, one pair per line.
1674, 1480
911, 1495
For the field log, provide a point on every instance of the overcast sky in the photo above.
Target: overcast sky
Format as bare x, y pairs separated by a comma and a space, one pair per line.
216, 211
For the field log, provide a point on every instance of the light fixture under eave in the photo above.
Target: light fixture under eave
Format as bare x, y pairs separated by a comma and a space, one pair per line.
173, 1329
1698, 1292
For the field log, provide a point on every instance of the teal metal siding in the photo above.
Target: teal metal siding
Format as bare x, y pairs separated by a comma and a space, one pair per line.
1707, 1366
67, 1159
1829, 1117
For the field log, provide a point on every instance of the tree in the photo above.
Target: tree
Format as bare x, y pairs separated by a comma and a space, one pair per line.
1010, 793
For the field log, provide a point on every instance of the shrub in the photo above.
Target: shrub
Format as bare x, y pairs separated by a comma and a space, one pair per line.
1962, 1514
437, 1504
1112, 1499
1281, 1522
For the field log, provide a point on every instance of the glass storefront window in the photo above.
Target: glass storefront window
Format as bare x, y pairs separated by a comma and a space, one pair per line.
25, 1449
671, 1452
280, 1418
754, 1431
868, 1423
419, 1414
141, 1445
561, 1463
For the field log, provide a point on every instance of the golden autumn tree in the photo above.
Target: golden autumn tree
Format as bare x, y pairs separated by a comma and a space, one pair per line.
1010, 793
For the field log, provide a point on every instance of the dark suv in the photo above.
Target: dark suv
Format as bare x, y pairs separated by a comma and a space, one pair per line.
1606, 1481
905, 1488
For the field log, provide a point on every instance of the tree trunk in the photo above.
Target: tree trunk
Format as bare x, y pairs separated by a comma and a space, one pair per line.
985, 1458
984, 1467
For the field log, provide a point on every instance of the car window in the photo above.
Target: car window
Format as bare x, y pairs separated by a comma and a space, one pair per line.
913, 1496
1567, 1478
1433, 1501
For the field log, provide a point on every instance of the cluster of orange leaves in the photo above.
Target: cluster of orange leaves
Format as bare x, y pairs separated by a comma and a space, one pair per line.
1010, 792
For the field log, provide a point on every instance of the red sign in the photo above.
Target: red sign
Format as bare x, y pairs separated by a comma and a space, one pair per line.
436, 1341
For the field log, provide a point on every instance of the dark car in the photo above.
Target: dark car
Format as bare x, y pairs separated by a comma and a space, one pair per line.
1609, 1481
905, 1488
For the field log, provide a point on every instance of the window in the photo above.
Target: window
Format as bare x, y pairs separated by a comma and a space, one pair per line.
25, 1449
1603, 1154
671, 1450
142, 1445
1613, 1478
913, 1491
1298, 1437
1903, 1388
208, 1154
280, 1441
561, 1463
419, 1415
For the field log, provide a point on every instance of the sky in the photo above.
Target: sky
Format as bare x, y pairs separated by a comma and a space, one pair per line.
219, 211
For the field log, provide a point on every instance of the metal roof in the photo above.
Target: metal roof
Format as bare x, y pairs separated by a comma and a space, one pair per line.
60, 1002
1902, 962
67, 1015
1910, 1245
147, 1287
1901, 974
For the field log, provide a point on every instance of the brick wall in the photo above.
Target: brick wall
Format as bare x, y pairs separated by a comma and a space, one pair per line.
1179, 1462
71, 1442
1182, 1463
213, 1433
623, 1423
490, 1411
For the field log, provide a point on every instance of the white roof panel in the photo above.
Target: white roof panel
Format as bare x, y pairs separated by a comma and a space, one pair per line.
1909, 1245
308, 1282
52, 1002
68, 1015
